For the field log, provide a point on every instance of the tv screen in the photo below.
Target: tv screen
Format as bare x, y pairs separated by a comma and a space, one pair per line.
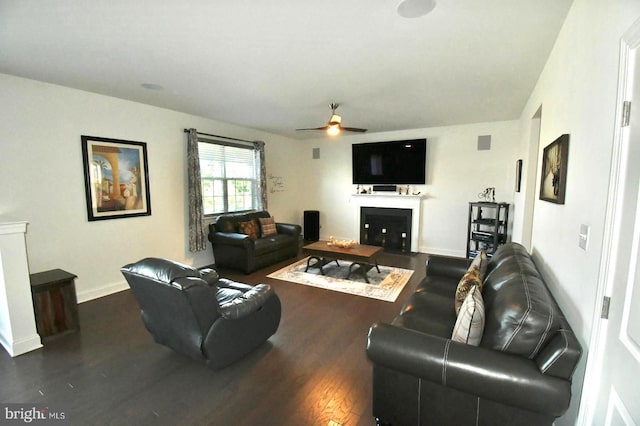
393, 162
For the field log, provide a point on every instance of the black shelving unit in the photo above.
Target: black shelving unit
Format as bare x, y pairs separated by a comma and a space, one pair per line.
487, 227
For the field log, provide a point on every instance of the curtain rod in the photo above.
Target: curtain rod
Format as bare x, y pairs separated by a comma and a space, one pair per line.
218, 136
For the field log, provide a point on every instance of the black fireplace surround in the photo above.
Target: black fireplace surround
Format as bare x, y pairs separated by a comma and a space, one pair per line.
389, 228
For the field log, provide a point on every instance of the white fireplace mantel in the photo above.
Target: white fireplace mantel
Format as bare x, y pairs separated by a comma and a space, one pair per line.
391, 200
18, 333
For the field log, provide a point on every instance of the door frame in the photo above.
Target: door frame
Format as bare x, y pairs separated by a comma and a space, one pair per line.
593, 376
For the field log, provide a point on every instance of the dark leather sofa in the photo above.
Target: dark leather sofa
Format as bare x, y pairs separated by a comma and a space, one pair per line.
238, 251
199, 314
519, 374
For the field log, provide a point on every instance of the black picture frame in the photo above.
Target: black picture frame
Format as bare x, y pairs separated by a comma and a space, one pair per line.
553, 179
116, 177
518, 175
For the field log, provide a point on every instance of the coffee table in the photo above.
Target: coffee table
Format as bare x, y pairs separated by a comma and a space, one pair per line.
363, 256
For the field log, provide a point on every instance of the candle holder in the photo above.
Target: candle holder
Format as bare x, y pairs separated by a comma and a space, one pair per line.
404, 242
384, 237
365, 236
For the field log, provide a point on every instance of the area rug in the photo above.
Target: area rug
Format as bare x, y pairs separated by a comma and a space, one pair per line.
385, 285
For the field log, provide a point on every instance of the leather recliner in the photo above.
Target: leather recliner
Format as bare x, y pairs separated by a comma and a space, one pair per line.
199, 314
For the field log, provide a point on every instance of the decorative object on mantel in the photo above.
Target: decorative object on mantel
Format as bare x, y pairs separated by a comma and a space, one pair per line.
554, 170
489, 195
341, 243
116, 178
363, 190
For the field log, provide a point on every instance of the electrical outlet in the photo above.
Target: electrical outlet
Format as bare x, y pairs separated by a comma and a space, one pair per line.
583, 237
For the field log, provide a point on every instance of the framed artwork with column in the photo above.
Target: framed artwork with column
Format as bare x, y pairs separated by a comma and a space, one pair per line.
116, 178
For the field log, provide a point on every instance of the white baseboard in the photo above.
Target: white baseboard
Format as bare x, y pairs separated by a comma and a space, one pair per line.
21, 346
443, 252
96, 293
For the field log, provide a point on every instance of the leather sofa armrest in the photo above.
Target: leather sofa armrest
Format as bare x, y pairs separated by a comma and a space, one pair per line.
454, 267
231, 239
202, 298
288, 228
246, 304
490, 374
226, 283
210, 276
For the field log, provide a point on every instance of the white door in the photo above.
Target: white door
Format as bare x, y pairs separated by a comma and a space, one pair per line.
611, 393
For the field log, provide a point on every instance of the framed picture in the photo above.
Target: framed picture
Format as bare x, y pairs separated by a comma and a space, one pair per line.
116, 178
518, 174
553, 181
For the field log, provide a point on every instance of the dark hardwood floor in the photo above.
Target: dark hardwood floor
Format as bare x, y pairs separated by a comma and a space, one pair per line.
313, 371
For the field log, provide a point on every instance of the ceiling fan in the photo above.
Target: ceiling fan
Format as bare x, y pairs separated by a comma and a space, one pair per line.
334, 126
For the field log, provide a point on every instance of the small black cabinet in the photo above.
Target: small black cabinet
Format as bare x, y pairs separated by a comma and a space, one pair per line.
54, 302
487, 227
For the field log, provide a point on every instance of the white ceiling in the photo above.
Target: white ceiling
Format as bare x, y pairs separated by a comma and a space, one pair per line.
276, 65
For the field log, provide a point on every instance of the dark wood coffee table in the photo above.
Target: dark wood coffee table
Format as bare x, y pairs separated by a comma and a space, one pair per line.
363, 256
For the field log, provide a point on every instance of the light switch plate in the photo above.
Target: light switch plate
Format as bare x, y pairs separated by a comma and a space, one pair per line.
583, 237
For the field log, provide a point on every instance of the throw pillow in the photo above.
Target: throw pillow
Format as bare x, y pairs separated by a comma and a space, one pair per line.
225, 226
468, 280
470, 323
249, 228
480, 262
268, 225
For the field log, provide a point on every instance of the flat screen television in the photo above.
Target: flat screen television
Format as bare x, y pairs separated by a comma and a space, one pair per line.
393, 162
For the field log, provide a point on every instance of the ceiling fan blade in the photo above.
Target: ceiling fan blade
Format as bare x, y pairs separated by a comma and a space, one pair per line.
353, 129
316, 128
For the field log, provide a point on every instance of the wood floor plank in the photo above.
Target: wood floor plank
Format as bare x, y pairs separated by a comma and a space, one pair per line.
313, 371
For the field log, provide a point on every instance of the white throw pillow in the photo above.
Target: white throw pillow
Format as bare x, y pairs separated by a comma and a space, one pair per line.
468, 280
470, 323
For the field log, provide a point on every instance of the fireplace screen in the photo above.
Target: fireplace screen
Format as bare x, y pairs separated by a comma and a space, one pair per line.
386, 227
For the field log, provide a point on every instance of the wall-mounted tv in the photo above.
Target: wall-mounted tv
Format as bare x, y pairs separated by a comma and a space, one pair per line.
393, 162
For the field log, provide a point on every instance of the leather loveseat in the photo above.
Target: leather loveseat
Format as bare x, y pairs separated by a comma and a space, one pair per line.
199, 314
519, 374
236, 246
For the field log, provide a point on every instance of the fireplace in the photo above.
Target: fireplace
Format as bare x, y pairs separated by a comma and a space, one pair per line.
389, 228
390, 201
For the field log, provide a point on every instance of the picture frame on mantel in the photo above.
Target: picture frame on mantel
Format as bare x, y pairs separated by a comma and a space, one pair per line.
116, 176
553, 180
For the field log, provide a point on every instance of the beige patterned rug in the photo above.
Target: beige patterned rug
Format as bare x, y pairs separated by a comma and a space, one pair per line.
385, 285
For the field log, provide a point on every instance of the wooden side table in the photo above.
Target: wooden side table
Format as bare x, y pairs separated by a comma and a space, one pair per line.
54, 302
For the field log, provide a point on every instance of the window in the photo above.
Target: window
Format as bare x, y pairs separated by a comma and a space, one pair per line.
230, 176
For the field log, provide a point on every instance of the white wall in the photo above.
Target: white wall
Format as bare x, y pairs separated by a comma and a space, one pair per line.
577, 91
41, 180
42, 175
456, 173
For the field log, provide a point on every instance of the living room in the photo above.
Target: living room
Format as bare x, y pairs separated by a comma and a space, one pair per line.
576, 94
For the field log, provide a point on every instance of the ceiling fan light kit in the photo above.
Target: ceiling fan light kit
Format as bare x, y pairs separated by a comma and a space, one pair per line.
333, 130
415, 8
334, 126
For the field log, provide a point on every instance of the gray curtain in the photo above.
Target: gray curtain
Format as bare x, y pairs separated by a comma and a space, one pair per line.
258, 146
197, 240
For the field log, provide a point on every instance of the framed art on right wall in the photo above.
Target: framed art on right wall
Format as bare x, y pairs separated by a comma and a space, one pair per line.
553, 181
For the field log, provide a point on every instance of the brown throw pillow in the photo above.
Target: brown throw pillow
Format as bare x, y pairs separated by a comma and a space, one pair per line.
480, 262
268, 226
226, 226
468, 280
249, 228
